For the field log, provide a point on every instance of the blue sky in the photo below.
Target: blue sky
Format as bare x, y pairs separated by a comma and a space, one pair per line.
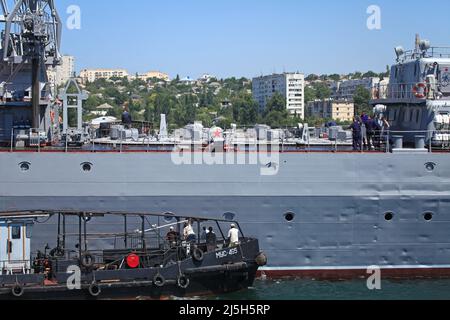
248, 37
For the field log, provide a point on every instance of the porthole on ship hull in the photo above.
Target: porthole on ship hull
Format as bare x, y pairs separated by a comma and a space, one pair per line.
388, 216
289, 216
169, 216
428, 216
430, 166
24, 166
229, 216
86, 166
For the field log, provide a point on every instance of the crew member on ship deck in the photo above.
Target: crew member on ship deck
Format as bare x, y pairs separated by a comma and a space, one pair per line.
188, 233
173, 237
126, 116
211, 240
233, 236
357, 134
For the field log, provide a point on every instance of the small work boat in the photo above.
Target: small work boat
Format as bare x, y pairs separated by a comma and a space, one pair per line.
144, 255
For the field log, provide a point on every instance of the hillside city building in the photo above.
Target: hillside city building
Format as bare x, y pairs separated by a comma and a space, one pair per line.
151, 75
92, 75
290, 85
345, 89
62, 73
338, 110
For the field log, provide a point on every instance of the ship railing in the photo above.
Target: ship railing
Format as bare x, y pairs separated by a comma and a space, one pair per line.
32, 138
434, 140
388, 140
399, 91
433, 52
154, 246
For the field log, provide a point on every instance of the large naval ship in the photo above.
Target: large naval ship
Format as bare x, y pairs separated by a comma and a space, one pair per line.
317, 212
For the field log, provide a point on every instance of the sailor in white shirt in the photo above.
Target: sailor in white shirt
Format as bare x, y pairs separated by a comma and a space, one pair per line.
233, 236
188, 233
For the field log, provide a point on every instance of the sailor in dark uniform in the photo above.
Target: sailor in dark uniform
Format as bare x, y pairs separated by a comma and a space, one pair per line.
126, 116
357, 134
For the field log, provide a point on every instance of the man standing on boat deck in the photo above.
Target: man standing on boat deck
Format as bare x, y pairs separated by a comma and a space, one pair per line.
233, 236
357, 137
211, 240
173, 237
204, 234
370, 128
188, 233
126, 116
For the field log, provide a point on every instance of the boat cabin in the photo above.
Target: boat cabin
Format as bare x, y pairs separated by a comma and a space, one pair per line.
15, 245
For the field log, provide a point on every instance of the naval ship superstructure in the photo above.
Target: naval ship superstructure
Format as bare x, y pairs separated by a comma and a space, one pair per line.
416, 102
316, 213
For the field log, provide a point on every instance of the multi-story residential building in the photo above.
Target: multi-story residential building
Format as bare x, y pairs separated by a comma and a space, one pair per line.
94, 74
62, 73
188, 80
346, 89
289, 85
338, 110
151, 75
206, 78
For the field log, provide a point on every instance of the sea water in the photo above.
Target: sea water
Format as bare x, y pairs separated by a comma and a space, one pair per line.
343, 290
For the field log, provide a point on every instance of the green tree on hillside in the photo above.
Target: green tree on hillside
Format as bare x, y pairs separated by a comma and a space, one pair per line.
276, 103
310, 94
361, 99
245, 109
312, 77
334, 77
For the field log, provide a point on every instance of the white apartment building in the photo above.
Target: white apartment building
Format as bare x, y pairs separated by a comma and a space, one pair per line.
150, 75
346, 89
62, 73
289, 85
94, 74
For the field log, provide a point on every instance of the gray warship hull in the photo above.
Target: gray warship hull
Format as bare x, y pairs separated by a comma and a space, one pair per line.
338, 203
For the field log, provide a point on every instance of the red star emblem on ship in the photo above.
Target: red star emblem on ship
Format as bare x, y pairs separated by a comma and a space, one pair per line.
217, 133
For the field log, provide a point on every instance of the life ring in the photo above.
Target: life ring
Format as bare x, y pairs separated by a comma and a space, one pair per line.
159, 281
183, 281
420, 90
198, 255
87, 260
94, 289
17, 291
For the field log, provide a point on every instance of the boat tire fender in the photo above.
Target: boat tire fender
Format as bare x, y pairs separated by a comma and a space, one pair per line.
183, 281
159, 281
87, 260
198, 255
94, 289
17, 291
261, 259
